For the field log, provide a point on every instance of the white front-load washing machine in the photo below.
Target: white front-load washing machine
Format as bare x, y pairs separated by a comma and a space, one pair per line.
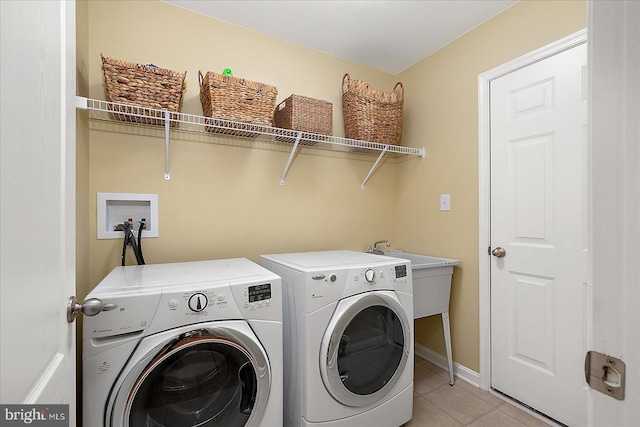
184, 344
348, 338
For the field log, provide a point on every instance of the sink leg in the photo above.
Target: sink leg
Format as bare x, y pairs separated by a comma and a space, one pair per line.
447, 342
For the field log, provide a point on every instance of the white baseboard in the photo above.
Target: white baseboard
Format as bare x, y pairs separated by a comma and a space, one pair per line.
459, 371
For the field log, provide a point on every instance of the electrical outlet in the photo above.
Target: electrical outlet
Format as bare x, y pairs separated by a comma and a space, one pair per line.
445, 202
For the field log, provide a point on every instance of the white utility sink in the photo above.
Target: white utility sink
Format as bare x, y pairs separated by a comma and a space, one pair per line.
431, 282
431, 291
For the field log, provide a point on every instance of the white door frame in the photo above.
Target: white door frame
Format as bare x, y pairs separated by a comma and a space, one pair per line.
484, 190
614, 70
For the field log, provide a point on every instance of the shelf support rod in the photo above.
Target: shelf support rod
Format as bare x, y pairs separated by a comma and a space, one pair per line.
384, 151
167, 127
293, 152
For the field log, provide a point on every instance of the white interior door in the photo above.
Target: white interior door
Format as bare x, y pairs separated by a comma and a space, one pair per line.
37, 135
538, 217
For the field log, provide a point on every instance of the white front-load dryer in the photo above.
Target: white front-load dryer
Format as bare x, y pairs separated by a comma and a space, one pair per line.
184, 344
348, 338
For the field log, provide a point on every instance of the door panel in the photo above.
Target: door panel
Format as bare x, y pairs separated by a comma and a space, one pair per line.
538, 204
531, 335
530, 174
38, 211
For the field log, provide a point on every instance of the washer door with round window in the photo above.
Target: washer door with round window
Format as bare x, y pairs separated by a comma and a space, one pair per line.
205, 376
365, 348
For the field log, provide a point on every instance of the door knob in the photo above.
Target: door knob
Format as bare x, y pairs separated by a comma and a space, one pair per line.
498, 252
90, 307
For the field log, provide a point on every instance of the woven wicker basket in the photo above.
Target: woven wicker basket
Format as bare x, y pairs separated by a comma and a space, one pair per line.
239, 100
372, 115
142, 86
304, 114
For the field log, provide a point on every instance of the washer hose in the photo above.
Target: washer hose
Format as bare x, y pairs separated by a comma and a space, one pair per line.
130, 239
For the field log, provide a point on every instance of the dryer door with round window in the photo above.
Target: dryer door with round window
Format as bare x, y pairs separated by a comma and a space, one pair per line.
209, 376
365, 348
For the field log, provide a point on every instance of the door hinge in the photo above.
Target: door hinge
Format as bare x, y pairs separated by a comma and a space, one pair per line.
605, 374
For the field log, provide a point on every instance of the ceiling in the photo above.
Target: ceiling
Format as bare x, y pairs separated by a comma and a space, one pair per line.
389, 36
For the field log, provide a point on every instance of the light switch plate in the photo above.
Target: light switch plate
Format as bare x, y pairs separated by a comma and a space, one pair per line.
445, 202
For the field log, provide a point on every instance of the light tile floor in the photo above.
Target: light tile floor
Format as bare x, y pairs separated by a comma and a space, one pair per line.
437, 404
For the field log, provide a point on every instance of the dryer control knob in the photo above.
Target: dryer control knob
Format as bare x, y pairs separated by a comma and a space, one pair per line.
198, 302
369, 275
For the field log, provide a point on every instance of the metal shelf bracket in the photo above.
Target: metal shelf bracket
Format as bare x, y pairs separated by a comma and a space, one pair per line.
293, 152
384, 150
167, 127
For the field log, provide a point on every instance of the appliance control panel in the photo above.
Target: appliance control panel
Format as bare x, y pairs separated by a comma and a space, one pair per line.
204, 301
194, 303
383, 276
240, 301
323, 287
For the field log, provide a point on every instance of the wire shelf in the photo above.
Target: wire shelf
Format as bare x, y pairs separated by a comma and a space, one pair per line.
110, 111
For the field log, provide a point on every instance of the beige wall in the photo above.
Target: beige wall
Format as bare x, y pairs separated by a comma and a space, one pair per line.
441, 113
224, 199
82, 150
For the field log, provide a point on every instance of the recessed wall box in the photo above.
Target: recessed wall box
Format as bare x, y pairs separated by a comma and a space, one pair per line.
116, 208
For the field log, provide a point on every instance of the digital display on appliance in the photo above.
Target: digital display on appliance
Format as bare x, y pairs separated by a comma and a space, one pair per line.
259, 292
401, 271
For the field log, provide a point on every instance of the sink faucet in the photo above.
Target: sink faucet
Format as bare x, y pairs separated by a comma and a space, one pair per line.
375, 249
